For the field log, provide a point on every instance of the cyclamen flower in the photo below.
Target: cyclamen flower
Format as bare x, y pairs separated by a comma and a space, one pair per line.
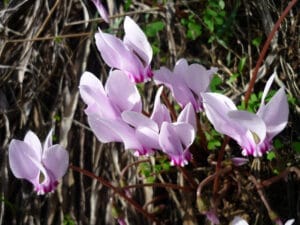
101, 10
253, 132
186, 82
240, 221
42, 166
133, 55
176, 138
106, 104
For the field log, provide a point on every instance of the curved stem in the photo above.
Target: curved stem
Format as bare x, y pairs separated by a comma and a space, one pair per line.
264, 50
115, 190
210, 178
164, 185
219, 162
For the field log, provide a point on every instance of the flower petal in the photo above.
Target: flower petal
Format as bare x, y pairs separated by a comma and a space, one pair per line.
160, 112
48, 141
122, 92
117, 55
34, 142
137, 41
56, 160
93, 94
188, 115
275, 113
216, 108
23, 160
114, 131
139, 120
250, 122
238, 221
101, 10
175, 139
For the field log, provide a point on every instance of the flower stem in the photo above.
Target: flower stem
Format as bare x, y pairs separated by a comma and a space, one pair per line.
115, 190
264, 50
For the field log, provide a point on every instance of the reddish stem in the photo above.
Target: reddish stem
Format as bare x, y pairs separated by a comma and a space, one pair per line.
264, 50
115, 190
218, 167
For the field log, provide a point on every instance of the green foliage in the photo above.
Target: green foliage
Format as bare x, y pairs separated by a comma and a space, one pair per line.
242, 63
213, 139
194, 29
277, 144
127, 5
218, 21
256, 41
151, 30
296, 146
68, 220
271, 155
215, 83
149, 171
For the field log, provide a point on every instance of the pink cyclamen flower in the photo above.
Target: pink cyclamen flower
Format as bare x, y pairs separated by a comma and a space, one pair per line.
106, 104
114, 112
253, 132
101, 10
240, 221
42, 166
186, 82
133, 55
176, 138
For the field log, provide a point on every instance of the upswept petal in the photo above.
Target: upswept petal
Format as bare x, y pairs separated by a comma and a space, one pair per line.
56, 160
138, 120
267, 88
136, 40
216, 108
23, 160
35, 144
185, 133
238, 221
90, 80
103, 129
275, 113
188, 115
175, 139
164, 76
93, 94
122, 92
147, 137
101, 10
48, 141
114, 131
196, 77
160, 112
250, 122
117, 55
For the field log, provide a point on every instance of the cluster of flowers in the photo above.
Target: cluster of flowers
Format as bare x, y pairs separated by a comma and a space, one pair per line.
114, 111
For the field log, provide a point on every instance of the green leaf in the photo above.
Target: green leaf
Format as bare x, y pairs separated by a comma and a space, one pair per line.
242, 64
127, 5
233, 78
271, 155
296, 146
153, 28
221, 4
256, 41
277, 144
215, 82
194, 31
213, 144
